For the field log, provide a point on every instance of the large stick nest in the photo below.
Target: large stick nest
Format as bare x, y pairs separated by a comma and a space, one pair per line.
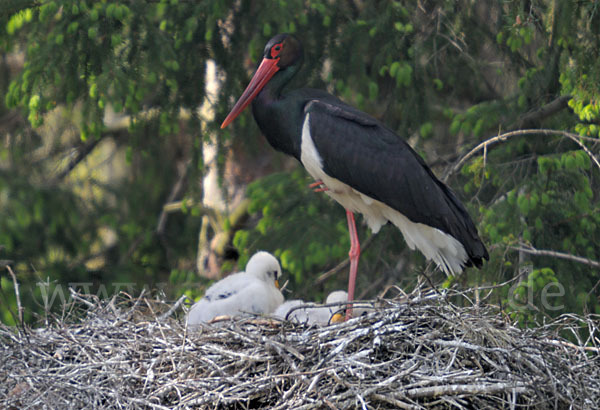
417, 351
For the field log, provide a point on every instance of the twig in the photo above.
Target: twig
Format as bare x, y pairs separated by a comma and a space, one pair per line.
17, 294
573, 346
77, 297
395, 402
82, 152
507, 135
176, 206
545, 111
574, 138
460, 389
175, 192
324, 276
542, 252
176, 306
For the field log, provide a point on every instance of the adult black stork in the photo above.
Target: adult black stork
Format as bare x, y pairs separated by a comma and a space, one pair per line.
360, 163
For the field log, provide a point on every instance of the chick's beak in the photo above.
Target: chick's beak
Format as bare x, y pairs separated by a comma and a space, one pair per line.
337, 318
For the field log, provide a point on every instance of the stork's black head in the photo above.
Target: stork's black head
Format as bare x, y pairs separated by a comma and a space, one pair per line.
284, 54
284, 48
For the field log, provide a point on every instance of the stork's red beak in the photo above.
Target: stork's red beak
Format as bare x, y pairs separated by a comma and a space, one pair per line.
267, 69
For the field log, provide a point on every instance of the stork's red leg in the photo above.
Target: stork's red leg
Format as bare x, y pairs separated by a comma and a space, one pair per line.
315, 184
354, 254
318, 186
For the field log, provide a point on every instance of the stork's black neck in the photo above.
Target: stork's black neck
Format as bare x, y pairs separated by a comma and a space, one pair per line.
280, 115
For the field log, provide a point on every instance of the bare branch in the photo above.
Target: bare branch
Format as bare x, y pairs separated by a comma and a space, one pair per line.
459, 389
507, 135
176, 306
324, 276
82, 152
542, 252
175, 192
529, 119
573, 346
17, 294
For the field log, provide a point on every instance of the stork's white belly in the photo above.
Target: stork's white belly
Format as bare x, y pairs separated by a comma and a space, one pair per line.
447, 252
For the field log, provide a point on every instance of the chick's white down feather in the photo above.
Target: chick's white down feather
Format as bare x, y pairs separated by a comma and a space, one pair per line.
311, 315
251, 291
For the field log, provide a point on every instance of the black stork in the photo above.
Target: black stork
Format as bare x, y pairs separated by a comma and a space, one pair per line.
360, 163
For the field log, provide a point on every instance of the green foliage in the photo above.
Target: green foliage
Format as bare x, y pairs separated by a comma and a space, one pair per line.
553, 208
125, 55
540, 288
187, 281
312, 223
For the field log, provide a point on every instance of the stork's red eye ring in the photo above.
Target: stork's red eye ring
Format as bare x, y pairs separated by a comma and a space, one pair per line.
276, 49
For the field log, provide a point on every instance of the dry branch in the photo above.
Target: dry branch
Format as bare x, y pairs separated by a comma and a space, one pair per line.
530, 119
507, 135
343, 264
543, 252
417, 351
17, 294
80, 154
176, 191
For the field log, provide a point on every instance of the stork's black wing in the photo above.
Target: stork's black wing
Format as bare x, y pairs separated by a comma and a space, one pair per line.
366, 155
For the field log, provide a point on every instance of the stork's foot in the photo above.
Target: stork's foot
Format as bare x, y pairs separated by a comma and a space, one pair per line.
318, 186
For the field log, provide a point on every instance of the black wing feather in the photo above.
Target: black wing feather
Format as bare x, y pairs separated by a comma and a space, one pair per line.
366, 155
